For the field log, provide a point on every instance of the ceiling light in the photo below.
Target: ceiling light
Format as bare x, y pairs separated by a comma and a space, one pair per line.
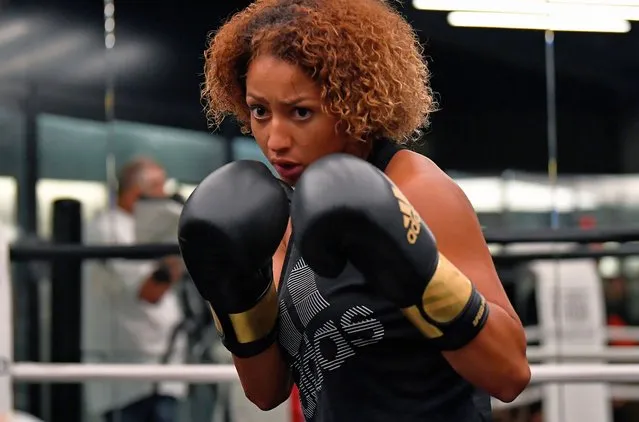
539, 7
601, 2
536, 22
522, 6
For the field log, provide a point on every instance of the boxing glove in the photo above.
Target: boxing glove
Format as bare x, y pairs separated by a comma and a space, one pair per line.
229, 229
345, 210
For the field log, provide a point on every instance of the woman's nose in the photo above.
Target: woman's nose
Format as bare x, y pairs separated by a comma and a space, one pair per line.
279, 137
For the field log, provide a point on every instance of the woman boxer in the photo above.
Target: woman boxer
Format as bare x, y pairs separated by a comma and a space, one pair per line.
380, 300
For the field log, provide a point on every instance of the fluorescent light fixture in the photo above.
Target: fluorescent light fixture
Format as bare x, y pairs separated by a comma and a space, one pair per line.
55, 49
601, 2
538, 7
630, 13
536, 22
508, 6
13, 30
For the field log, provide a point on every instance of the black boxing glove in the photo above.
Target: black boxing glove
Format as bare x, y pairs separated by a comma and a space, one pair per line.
346, 210
229, 229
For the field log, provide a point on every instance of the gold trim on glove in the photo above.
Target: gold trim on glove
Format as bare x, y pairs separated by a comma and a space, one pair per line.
425, 327
447, 294
410, 218
444, 299
216, 320
256, 323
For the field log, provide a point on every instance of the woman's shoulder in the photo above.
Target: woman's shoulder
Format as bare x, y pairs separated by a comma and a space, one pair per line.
432, 192
408, 167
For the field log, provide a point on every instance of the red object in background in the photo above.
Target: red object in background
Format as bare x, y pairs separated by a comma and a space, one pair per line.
296, 406
617, 321
587, 222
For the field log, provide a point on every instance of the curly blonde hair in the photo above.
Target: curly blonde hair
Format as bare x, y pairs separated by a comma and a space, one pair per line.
363, 54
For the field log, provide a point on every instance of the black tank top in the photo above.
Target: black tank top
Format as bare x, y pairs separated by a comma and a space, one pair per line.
355, 357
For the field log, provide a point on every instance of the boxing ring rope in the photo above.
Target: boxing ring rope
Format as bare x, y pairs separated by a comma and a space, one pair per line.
620, 235
609, 354
541, 373
534, 333
29, 252
50, 252
206, 374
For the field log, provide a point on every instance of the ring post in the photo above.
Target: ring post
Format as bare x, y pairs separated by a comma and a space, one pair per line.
66, 294
6, 331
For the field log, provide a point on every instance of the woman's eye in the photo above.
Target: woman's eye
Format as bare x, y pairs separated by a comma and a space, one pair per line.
258, 112
302, 113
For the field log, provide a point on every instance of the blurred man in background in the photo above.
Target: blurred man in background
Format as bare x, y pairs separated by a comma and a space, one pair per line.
130, 311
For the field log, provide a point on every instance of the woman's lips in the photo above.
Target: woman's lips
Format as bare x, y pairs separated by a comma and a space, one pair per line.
290, 172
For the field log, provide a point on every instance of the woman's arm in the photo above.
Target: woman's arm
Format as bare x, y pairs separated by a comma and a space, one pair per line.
266, 378
495, 360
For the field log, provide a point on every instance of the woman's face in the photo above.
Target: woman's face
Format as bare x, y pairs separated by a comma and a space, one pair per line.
287, 120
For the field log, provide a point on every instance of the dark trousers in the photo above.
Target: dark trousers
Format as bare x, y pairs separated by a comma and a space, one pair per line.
154, 408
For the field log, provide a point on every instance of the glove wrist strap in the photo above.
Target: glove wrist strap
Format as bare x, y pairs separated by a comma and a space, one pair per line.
252, 331
452, 312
